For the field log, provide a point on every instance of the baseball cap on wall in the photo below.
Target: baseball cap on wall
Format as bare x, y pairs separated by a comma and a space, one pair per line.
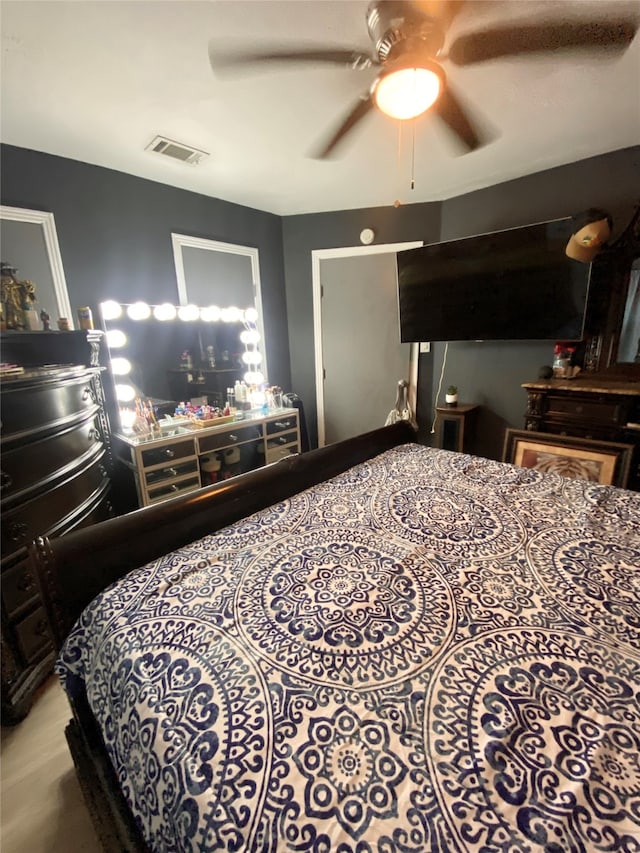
591, 230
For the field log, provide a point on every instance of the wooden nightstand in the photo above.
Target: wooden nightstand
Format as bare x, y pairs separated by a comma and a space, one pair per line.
455, 427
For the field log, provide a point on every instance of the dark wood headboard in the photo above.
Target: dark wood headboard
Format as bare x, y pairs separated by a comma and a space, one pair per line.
72, 569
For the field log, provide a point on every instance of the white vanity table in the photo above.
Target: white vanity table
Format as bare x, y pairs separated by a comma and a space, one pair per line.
170, 462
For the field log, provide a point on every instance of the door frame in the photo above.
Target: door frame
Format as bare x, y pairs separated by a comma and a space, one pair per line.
318, 255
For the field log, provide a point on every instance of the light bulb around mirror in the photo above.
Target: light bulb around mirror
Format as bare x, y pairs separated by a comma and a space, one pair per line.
254, 377
253, 357
188, 313
138, 311
127, 418
125, 393
211, 314
165, 312
110, 309
116, 338
120, 366
250, 315
235, 314
250, 336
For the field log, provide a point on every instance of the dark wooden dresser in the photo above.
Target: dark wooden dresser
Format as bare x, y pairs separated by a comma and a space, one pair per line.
590, 407
55, 465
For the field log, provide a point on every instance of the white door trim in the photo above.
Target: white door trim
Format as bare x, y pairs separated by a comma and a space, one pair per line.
318, 255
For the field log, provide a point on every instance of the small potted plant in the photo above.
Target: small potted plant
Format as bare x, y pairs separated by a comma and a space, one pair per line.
451, 396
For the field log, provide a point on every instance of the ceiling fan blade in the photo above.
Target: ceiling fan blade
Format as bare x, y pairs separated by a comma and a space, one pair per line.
499, 41
359, 111
221, 61
452, 113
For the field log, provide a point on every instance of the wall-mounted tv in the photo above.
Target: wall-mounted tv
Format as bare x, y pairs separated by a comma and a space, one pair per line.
507, 285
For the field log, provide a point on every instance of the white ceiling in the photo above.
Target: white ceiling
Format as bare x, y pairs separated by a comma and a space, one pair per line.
96, 80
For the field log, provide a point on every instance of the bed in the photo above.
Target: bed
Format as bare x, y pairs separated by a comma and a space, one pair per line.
376, 646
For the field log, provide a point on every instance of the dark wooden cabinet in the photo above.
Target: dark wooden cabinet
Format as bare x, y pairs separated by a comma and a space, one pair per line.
588, 407
55, 477
455, 427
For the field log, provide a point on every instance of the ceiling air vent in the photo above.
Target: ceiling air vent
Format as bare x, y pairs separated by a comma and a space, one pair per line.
176, 150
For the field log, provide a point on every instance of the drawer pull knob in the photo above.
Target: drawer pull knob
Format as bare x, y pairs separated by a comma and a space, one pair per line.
169, 453
25, 584
233, 437
87, 394
172, 472
6, 480
17, 531
283, 424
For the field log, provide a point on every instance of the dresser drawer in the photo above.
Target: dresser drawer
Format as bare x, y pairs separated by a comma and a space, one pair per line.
45, 512
48, 457
169, 452
604, 412
32, 634
19, 587
237, 435
30, 410
282, 425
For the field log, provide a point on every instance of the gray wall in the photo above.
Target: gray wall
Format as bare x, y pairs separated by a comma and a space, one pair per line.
489, 373
115, 231
302, 234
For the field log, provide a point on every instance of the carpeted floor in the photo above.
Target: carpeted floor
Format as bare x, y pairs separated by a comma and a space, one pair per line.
42, 810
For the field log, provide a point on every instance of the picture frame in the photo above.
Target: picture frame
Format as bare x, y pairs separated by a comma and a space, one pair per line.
603, 462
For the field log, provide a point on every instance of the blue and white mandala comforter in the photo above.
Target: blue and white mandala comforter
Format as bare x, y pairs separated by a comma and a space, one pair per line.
429, 652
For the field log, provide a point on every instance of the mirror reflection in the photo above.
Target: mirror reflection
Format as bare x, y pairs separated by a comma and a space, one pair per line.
629, 349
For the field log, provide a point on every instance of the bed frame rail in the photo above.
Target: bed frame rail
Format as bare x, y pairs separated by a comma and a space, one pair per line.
72, 569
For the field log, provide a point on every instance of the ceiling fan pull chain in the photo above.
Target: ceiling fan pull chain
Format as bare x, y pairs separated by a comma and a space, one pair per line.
413, 154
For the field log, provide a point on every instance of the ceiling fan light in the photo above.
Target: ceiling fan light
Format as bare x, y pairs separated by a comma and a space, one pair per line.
407, 92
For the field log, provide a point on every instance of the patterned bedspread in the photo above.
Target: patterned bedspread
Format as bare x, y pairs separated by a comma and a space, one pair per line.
430, 652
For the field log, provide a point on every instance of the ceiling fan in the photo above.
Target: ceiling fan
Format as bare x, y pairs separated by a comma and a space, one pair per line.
408, 39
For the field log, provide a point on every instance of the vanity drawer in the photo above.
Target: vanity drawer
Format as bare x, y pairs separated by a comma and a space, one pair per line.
46, 457
274, 454
169, 452
171, 489
282, 439
237, 435
171, 472
282, 425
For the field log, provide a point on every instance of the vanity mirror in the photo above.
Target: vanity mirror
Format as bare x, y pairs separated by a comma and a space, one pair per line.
171, 354
29, 244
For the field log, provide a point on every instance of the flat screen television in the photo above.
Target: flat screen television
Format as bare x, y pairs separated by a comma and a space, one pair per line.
507, 285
